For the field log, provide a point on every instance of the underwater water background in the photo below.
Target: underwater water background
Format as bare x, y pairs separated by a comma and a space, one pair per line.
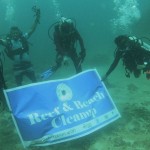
99, 22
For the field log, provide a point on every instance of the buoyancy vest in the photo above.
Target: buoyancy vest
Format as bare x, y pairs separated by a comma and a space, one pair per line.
133, 55
19, 51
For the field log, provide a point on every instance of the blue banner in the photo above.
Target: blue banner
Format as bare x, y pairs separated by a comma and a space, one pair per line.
55, 111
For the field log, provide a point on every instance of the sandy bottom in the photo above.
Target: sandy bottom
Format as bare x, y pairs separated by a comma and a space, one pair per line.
130, 132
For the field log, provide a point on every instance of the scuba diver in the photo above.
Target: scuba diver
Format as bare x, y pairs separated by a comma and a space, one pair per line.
65, 37
17, 49
135, 55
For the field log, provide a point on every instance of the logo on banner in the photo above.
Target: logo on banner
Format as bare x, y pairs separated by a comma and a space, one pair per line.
64, 92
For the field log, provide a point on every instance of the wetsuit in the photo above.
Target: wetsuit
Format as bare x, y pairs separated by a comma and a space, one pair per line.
132, 56
17, 50
65, 46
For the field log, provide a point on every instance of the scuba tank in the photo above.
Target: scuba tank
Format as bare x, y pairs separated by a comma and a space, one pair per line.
58, 23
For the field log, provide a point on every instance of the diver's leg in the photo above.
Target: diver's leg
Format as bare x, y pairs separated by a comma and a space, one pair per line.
18, 78
30, 74
76, 61
59, 59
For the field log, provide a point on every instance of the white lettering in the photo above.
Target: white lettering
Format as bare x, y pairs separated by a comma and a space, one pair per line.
66, 107
78, 117
34, 118
97, 97
58, 120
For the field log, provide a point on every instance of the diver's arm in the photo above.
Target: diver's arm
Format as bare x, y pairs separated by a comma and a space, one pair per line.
81, 43
36, 22
57, 39
31, 31
113, 65
80, 40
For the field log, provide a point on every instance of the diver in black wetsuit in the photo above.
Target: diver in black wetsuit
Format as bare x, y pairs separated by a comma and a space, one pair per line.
65, 37
135, 55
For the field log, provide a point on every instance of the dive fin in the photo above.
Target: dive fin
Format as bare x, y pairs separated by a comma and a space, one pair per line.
47, 74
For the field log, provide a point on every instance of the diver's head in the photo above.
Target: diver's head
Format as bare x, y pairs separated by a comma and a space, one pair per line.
66, 25
15, 32
122, 41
